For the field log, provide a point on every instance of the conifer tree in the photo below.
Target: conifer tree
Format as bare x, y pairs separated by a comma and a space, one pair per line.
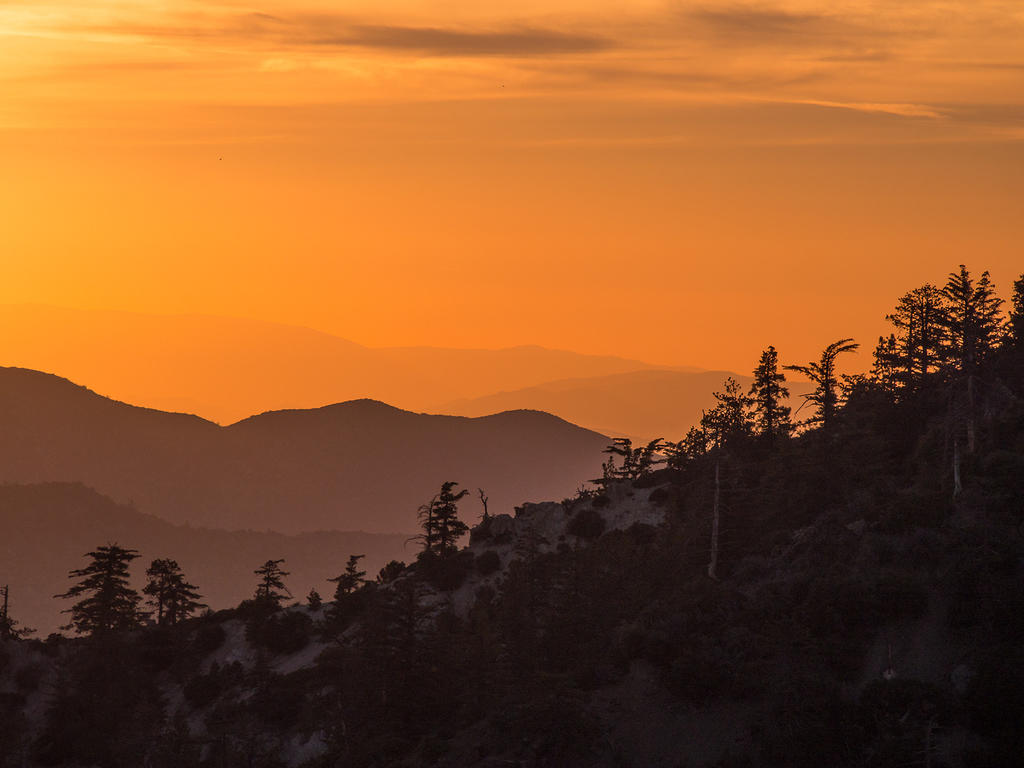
1016, 319
730, 419
390, 572
823, 373
696, 443
440, 519
636, 462
110, 603
313, 600
885, 369
622, 447
9, 629
271, 589
349, 581
768, 391
173, 598
921, 322
972, 318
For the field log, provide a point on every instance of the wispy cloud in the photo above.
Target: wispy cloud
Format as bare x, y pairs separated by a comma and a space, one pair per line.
764, 25
343, 31
901, 110
516, 41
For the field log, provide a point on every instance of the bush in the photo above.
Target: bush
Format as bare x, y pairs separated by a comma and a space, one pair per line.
658, 495
203, 689
586, 524
283, 633
208, 638
28, 677
481, 532
487, 562
445, 572
391, 571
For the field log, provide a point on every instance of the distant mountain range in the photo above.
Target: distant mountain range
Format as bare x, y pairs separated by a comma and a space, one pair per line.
642, 405
226, 369
45, 529
356, 465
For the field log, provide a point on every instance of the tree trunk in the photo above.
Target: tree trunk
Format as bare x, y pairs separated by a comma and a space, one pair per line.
713, 565
970, 413
957, 486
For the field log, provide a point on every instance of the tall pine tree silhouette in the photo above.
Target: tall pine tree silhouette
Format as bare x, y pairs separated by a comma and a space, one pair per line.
109, 602
825, 396
771, 417
440, 520
173, 598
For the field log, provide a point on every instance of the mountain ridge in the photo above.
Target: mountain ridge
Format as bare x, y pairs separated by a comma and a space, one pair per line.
227, 369
289, 470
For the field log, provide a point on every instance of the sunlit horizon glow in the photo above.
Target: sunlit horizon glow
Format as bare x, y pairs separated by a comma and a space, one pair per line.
678, 182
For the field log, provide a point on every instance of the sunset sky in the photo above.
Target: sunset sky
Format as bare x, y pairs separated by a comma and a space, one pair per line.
680, 182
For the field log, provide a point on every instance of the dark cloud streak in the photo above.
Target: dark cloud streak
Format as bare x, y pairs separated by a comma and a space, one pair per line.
435, 41
334, 31
764, 25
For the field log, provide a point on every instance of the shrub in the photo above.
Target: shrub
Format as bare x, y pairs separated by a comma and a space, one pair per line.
208, 638
202, 689
586, 524
28, 677
488, 562
445, 571
391, 571
658, 495
283, 633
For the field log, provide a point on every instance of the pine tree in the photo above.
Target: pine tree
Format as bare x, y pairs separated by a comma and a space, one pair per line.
972, 318
768, 391
313, 600
921, 320
9, 629
885, 369
110, 603
1016, 320
390, 572
349, 581
173, 598
622, 447
440, 519
636, 462
271, 589
730, 419
823, 373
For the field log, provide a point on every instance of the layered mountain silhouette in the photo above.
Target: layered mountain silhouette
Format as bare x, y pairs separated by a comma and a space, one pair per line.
226, 369
642, 405
355, 465
48, 527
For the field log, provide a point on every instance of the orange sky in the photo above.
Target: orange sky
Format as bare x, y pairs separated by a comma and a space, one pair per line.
682, 182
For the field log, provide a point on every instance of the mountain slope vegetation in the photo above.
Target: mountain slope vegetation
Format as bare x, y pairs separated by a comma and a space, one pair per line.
47, 528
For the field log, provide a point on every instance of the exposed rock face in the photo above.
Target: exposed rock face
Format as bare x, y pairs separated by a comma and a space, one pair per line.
541, 528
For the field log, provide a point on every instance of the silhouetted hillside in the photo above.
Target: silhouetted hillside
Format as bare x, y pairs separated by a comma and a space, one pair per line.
228, 368
357, 465
848, 594
45, 529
